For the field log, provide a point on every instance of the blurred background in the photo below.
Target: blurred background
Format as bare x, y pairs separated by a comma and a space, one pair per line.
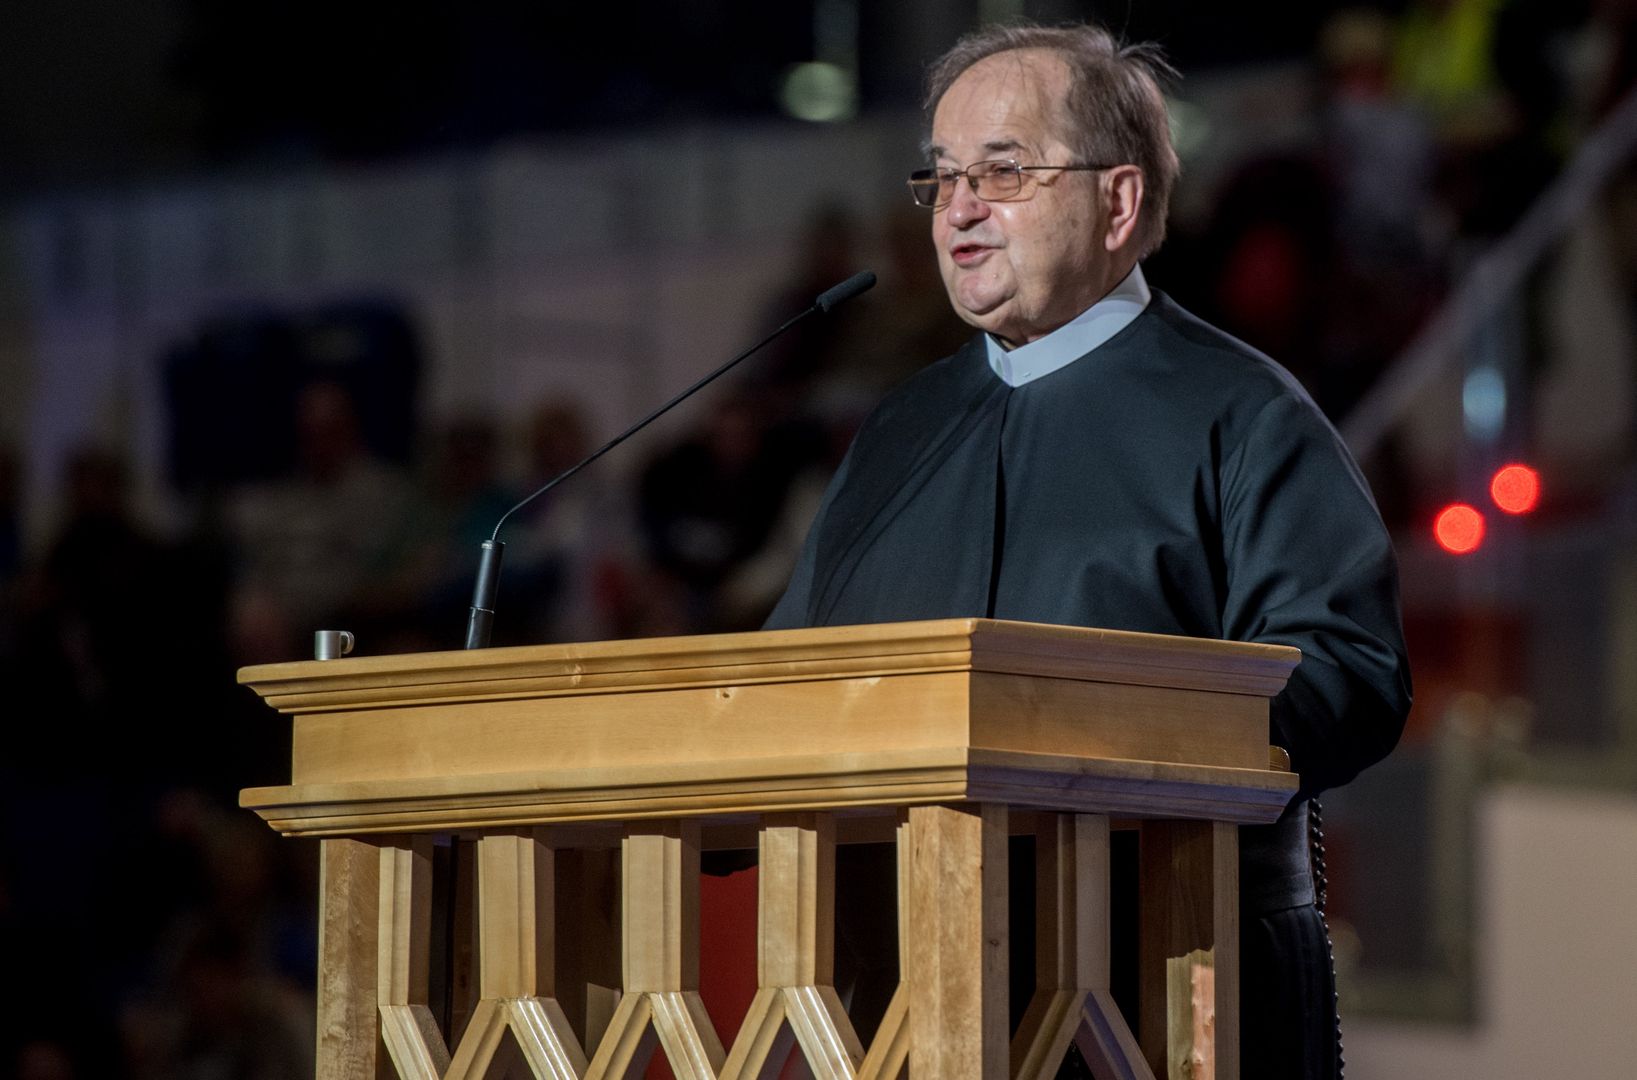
296, 299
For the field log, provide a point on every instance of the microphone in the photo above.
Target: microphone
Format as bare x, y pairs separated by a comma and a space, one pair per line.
480, 619
834, 295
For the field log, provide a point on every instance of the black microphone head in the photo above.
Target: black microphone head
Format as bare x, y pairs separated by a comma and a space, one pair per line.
840, 294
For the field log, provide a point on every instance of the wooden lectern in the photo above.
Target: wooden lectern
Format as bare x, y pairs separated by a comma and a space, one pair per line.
511, 843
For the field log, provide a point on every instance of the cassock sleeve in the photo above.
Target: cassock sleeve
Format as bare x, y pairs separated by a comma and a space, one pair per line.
1309, 564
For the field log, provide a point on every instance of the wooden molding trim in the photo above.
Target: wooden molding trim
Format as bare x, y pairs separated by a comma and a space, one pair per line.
776, 656
1043, 781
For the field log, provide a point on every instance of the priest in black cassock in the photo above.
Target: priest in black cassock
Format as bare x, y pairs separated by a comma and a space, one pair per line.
1096, 456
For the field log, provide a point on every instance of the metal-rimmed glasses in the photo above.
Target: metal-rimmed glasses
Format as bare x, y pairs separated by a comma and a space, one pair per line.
991, 181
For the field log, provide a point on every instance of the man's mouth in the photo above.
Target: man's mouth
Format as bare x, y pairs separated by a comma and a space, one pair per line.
969, 254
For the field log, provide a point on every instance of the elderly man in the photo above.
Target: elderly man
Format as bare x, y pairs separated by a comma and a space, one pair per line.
1096, 456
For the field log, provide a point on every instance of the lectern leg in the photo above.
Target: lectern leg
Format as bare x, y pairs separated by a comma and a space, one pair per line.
349, 1039
1072, 1001
410, 1032
889, 1051
957, 943
1189, 950
660, 920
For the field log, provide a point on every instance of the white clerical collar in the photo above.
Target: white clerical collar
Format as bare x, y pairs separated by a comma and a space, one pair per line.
1074, 339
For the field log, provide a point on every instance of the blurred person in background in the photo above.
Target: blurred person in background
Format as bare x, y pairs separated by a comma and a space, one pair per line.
566, 550
317, 546
118, 694
220, 990
99, 601
829, 247
710, 504
459, 496
11, 514
820, 384
11, 554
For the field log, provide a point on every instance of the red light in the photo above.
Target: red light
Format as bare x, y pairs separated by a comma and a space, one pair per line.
1459, 529
1515, 488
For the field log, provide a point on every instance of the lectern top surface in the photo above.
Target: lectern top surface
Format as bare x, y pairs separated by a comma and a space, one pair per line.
990, 645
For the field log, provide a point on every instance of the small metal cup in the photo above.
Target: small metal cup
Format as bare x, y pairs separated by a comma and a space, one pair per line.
330, 644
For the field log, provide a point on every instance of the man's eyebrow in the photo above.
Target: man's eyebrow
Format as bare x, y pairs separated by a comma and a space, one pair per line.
932, 151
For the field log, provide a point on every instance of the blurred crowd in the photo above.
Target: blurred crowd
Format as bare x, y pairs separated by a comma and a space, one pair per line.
170, 934
158, 931
1434, 127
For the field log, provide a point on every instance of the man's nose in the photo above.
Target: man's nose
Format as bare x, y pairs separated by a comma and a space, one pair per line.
965, 207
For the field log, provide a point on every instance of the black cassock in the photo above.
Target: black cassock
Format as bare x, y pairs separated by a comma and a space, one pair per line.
1172, 481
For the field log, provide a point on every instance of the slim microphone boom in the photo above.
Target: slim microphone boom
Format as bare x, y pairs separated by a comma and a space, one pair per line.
480, 620
862, 281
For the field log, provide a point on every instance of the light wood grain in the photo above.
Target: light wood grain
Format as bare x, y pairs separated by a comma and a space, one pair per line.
686, 1034
1061, 782
888, 1054
825, 1033
601, 1006
414, 1042
1190, 1034
408, 1029
517, 885
1225, 932
957, 943
1082, 718
1189, 878
660, 910
1045, 1032
796, 901
954, 724
543, 1036
657, 728
681, 728
1015, 687
904, 865
764, 1039
512, 1025
1074, 878
486, 1051
796, 954
517, 905
1071, 939
349, 1043
660, 916
817, 653
405, 915
628, 1041
1072, 1002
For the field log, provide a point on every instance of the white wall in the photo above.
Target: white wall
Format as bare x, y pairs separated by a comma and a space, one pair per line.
1556, 951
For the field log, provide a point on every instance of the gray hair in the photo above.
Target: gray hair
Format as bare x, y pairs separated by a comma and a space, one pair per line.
1114, 112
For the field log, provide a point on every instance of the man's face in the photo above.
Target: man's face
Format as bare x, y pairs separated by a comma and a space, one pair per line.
1020, 268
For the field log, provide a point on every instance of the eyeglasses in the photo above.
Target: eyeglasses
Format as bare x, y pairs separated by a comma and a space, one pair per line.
992, 181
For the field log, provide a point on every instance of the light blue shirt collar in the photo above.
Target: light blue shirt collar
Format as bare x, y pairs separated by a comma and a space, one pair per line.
1074, 339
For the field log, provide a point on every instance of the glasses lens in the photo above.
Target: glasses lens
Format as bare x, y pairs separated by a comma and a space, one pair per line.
923, 185
928, 187
996, 179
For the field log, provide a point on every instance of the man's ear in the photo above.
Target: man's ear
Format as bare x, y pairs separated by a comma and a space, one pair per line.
1122, 194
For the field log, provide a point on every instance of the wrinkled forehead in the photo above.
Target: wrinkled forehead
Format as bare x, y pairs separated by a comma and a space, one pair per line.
1008, 102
